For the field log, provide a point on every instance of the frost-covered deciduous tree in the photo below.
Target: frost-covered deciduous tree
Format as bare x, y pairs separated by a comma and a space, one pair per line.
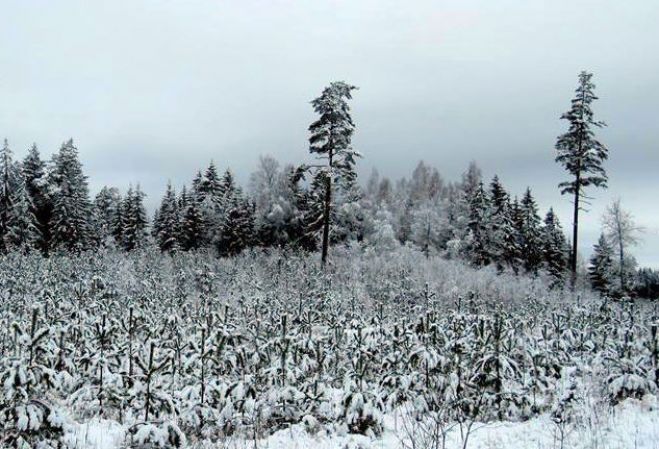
276, 214
427, 226
383, 237
622, 232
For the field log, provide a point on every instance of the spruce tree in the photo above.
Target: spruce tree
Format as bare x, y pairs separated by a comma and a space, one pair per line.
459, 211
647, 283
196, 186
503, 244
207, 192
554, 249
166, 228
134, 221
36, 184
477, 224
8, 181
184, 199
581, 154
117, 223
331, 139
70, 221
22, 233
192, 227
210, 183
601, 266
227, 187
307, 218
238, 228
517, 217
531, 234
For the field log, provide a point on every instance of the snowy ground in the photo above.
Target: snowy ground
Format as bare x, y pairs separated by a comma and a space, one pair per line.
633, 425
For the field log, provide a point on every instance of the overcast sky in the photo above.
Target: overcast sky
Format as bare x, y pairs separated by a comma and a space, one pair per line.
152, 90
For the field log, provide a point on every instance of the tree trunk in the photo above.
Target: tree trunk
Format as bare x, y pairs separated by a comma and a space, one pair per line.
622, 254
428, 240
326, 213
575, 234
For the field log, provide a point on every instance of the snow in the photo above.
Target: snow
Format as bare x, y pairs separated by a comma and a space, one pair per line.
633, 424
97, 434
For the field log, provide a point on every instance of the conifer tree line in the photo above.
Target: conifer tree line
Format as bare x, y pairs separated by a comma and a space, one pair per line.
465, 220
46, 206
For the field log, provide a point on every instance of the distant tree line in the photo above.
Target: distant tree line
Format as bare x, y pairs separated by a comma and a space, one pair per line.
45, 206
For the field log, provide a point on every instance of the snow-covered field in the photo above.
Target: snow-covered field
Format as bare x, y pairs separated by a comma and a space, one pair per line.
144, 350
631, 425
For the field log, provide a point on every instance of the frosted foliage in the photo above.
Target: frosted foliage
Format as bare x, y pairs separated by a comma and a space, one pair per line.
192, 350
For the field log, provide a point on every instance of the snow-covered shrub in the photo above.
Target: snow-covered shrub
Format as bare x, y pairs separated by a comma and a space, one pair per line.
361, 411
245, 346
28, 415
163, 435
629, 385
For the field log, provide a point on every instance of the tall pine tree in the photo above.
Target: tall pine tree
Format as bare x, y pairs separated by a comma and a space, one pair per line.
581, 154
331, 140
